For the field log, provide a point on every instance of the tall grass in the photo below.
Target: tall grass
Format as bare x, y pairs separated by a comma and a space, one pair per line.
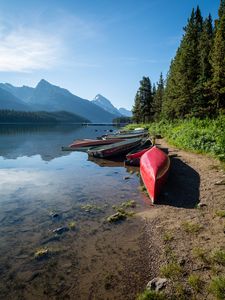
204, 136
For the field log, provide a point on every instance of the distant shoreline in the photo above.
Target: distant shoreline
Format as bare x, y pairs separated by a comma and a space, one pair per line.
66, 123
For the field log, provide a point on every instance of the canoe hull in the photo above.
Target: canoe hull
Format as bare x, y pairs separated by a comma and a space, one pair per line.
133, 157
115, 149
154, 169
92, 143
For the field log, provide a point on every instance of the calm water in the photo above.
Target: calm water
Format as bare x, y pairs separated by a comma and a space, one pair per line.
90, 261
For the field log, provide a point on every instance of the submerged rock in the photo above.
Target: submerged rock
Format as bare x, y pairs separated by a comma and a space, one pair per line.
60, 230
54, 215
41, 253
119, 216
156, 284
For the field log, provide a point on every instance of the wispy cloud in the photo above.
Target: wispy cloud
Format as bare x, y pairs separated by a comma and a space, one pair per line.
41, 43
24, 50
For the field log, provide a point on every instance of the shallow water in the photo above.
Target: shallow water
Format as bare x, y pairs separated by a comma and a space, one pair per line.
94, 260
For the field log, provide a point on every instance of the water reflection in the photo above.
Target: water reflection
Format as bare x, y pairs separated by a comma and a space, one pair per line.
45, 140
37, 178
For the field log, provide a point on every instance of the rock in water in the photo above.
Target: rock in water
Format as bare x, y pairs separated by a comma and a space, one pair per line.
60, 230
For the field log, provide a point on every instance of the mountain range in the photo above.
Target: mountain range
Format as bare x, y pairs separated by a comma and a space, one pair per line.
48, 97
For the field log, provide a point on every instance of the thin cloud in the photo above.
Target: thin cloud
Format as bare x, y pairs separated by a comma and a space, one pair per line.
24, 50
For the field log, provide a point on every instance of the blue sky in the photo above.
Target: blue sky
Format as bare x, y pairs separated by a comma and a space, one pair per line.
92, 46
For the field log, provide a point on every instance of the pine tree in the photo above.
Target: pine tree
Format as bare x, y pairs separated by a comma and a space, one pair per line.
201, 102
136, 110
158, 98
218, 62
146, 99
181, 89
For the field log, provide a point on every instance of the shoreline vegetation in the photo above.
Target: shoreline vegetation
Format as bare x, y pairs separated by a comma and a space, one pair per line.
201, 136
8, 116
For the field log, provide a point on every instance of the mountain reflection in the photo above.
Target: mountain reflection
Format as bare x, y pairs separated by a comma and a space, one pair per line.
45, 140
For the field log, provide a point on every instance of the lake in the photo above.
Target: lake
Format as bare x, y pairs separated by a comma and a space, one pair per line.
42, 189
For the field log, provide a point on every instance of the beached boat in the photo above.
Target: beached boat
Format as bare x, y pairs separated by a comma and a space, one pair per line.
115, 149
125, 136
87, 143
154, 169
79, 149
134, 131
133, 157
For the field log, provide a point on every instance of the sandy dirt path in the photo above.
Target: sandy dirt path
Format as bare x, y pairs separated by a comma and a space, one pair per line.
181, 233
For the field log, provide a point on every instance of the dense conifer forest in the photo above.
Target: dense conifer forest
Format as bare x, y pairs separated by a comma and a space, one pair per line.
12, 116
195, 83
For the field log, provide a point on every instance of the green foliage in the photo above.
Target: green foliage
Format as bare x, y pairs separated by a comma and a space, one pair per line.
195, 282
191, 227
143, 103
221, 213
205, 136
217, 287
201, 254
218, 62
171, 270
122, 120
195, 83
218, 256
151, 295
167, 237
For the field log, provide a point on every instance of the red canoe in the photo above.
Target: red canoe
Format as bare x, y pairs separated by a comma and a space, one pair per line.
154, 168
133, 157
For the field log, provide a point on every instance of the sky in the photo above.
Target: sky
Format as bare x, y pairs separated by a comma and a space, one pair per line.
92, 46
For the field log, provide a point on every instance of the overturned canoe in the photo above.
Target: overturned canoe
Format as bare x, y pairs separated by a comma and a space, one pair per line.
115, 149
154, 169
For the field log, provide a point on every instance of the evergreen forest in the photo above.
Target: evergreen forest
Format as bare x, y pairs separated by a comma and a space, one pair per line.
195, 83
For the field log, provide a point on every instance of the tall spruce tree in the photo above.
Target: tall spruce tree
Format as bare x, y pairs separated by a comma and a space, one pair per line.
202, 107
146, 99
143, 102
136, 110
158, 98
218, 62
181, 90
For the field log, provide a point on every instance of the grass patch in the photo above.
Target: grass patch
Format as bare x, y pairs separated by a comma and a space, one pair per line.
217, 287
220, 213
171, 270
151, 295
195, 282
189, 227
167, 237
218, 256
201, 254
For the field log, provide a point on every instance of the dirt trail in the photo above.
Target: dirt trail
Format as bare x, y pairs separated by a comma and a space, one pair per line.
185, 234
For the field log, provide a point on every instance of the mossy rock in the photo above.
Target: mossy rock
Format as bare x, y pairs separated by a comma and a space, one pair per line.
41, 253
119, 216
